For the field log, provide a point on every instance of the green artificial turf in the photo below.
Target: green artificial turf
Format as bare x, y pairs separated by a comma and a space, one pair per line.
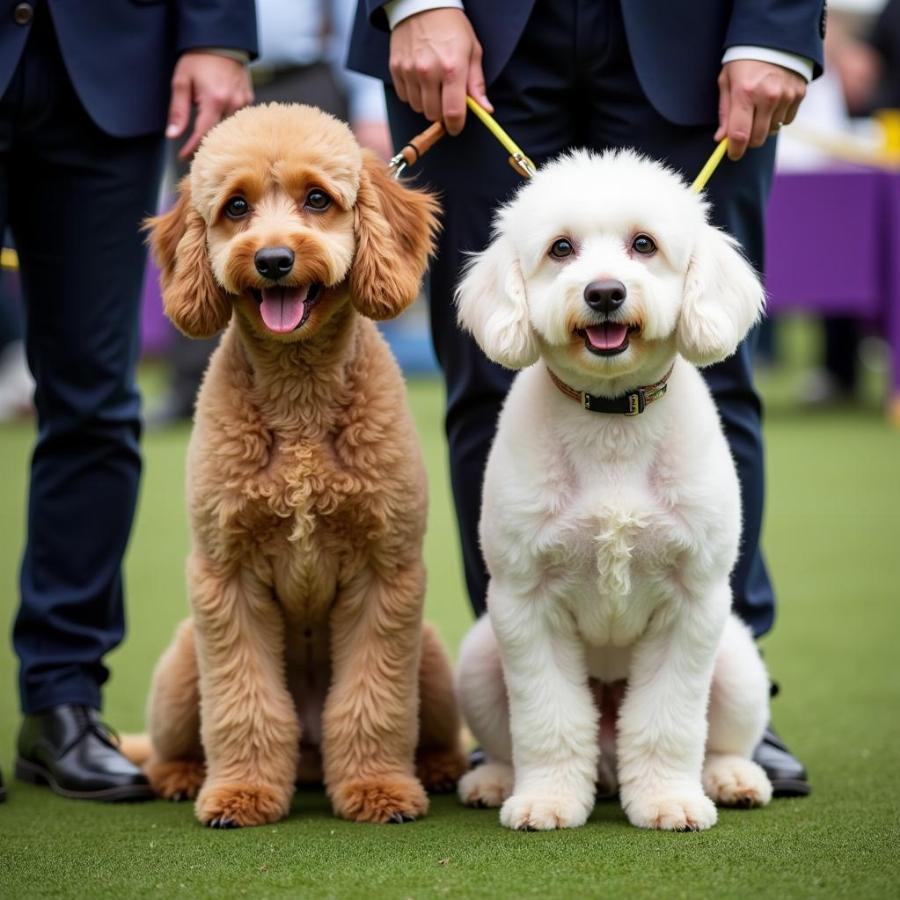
833, 542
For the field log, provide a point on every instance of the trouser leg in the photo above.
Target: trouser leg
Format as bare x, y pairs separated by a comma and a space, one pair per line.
76, 199
472, 176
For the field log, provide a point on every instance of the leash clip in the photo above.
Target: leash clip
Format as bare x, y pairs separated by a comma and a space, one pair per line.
415, 148
396, 165
522, 165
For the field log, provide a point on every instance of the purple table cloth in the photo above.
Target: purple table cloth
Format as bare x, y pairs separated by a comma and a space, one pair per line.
833, 246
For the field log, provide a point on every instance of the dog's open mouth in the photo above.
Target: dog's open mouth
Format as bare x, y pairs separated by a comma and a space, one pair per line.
284, 308
607, 338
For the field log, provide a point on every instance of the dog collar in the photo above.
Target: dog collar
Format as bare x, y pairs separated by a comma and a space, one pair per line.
631, 404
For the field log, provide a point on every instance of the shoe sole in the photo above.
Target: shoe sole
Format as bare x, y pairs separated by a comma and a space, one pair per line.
31, 773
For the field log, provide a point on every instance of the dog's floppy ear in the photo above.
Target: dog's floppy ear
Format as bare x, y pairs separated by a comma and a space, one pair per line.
192, 298
723, 299
395, 230
491, 305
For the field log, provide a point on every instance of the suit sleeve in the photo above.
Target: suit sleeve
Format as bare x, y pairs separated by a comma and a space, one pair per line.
795, 26
217, 23
376, 14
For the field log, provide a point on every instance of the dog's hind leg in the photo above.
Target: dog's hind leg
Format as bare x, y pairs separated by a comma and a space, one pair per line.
482, 695
738, 714
440, 760
175, 766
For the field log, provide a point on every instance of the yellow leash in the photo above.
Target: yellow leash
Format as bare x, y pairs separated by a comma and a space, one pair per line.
710, 166
517, 159
522, 164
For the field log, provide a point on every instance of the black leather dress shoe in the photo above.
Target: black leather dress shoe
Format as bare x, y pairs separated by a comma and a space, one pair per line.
69, 749
785, 771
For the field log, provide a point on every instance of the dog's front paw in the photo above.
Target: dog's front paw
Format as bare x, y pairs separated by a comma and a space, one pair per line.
240, 805
676, 810
735, 781
487, 785
393, 798
544, 812
175, 779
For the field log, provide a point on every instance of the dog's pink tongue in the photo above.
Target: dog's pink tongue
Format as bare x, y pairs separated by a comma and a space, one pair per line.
282, 308
607, 336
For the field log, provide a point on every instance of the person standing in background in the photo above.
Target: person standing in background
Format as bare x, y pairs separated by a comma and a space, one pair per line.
87, 92
668, 79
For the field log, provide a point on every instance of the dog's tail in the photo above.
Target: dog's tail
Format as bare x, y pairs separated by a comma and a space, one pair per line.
136, 747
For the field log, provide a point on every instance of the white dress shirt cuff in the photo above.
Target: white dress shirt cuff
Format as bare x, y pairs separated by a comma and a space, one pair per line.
398, 10
792, 61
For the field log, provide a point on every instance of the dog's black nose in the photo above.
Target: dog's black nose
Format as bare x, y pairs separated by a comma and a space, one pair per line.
605, 296
274, 262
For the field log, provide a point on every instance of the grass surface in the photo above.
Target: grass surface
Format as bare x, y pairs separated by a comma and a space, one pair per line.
832, 541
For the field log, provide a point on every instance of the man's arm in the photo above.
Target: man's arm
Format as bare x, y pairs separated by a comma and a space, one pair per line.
214, 42
794, 27
773, 48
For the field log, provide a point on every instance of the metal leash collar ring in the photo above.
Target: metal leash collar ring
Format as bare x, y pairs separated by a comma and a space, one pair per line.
416, 147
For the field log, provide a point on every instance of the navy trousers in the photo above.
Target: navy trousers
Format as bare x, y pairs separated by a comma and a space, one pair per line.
571, 83
74, 198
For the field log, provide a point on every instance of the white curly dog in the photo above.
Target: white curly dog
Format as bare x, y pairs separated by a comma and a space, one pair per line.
610, 537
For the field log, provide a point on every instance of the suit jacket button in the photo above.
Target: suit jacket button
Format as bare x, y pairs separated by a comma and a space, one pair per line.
23, 13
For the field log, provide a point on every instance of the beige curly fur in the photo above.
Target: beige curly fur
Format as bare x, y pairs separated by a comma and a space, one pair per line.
306, 492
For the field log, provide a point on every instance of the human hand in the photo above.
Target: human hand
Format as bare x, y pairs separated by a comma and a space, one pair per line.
755, 98
216, 85
435, 61
375, 135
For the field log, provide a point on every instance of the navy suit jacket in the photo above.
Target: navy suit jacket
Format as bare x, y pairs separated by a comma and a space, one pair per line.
676, 45
120, 53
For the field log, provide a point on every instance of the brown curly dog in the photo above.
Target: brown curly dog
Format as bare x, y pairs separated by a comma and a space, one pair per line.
306, 486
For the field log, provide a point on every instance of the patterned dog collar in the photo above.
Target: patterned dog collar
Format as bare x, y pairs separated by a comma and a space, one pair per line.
630, 404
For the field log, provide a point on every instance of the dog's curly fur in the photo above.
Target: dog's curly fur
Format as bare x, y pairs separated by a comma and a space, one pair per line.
306, 491
610, 655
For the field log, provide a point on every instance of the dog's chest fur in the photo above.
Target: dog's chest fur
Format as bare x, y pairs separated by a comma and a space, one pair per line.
605, 516
609, 554
300, 499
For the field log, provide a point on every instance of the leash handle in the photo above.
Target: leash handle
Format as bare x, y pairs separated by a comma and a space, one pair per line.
416, 147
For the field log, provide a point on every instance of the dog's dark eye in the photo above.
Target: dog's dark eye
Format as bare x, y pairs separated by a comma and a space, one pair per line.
317, 200
643, 244
561, 248
237, 208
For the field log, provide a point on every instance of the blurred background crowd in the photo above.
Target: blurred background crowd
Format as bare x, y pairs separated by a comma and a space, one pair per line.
846, 134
